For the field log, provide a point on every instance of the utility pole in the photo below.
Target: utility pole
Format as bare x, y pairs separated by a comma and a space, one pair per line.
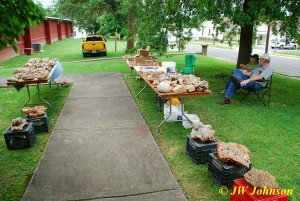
116, 34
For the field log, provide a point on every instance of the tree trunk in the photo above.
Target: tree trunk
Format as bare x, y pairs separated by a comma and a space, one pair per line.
131, 31
267, 40
245, 48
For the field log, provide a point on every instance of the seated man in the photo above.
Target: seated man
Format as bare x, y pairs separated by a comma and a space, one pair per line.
261, 72
238, 72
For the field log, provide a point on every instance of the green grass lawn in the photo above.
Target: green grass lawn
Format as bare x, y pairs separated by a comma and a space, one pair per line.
271, 134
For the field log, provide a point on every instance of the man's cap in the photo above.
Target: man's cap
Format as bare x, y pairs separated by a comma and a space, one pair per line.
255, 56
266, 57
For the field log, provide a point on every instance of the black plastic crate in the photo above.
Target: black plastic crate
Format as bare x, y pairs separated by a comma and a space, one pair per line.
41, 123
225, 174
20, 139
198, 151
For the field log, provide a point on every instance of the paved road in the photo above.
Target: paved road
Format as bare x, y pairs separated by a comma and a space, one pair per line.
282, 64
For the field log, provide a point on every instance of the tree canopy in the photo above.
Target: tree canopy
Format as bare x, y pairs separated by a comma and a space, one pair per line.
149, 22
282, 15
16, 15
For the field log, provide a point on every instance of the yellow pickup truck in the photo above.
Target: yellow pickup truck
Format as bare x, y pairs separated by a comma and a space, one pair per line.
94, 45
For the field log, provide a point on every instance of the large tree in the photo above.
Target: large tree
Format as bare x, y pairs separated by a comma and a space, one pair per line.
102, 16
16, 15
158, 18
84, 12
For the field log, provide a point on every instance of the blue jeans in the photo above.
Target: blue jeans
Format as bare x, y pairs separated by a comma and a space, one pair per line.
231, 87
237, 74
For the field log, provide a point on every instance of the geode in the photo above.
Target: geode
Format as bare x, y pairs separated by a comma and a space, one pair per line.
234, 153
34, 111
202, 132
261, 179
164, 87
18, 124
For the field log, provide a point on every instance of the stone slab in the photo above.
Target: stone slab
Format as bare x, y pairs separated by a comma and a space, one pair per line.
105, 112
171, 195
102, 85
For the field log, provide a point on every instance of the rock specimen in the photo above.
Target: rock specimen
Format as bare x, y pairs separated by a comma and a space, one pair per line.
202, 132
202, 85
179, 89
164, 87
234, 153
190, 88
34, 111
64, 84
261, 179
18, 124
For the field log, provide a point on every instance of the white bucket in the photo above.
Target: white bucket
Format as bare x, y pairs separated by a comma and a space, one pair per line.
169, 64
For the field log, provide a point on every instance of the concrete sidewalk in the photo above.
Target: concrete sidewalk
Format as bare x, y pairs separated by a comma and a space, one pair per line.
102, 149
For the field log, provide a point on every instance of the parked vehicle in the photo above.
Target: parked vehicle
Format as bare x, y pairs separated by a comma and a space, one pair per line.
93, 45
283, 43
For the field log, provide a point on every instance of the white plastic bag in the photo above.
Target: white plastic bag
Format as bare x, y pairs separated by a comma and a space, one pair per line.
187, 124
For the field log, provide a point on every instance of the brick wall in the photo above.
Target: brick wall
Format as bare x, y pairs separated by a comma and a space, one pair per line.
50, 30
38, 34
53, 31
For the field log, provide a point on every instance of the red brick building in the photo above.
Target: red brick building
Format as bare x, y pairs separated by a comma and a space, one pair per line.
50, 30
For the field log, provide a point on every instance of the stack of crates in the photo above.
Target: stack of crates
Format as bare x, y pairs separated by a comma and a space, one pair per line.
224, 174
199, 151
242, 191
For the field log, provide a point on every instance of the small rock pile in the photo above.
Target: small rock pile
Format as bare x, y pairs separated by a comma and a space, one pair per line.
176, 82
34, 69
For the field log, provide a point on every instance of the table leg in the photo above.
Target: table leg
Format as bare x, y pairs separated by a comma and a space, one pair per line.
182, 111
170, 112
39, 94
28, 92
138, 96
131, 68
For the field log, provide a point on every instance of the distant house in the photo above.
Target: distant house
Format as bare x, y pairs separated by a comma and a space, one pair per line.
50, 30
79, 33
207, 32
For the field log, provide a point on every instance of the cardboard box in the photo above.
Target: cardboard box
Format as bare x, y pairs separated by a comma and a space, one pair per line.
130, 61
143, 61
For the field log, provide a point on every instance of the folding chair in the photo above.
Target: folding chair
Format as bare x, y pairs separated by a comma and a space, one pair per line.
260, 93
189, 64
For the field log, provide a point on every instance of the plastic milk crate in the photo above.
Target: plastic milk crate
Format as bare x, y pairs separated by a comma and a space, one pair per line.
20, 139
40, 123
242, 191
198, 151
224, 174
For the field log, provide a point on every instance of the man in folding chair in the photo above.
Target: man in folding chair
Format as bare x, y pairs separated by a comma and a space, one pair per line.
261, 73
